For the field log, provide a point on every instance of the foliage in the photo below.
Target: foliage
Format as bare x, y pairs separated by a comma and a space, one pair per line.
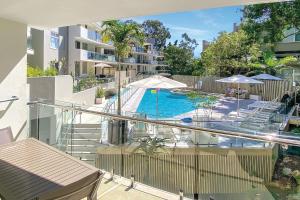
198, 68
296, 130
34, 72
150, 146
86, 83
209, 101
188, 43
91, 71
155, 29
193, 96
100, 93
274, 65
123, 35
266, 23
230, 53
51, 71
37, 72
180, 56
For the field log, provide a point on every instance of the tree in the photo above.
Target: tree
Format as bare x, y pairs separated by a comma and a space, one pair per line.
188, 43
230, 53
195, 98
155, 29
124, 36
180, 56
266, 23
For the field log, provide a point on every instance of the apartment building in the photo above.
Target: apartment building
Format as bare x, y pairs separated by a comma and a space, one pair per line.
78, 50
50, 48
290, 45
89, 54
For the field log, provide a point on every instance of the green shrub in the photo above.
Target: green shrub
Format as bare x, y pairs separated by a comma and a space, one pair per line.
296, 130
87, 83
51, 71
100, 93
37, 72
34, 71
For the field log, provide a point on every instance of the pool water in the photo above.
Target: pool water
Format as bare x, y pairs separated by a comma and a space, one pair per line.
169, 104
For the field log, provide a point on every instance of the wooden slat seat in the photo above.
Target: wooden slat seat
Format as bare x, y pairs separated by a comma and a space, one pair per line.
30, 169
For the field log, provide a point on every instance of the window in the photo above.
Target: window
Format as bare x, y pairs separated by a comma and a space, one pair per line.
85, 46
297, 37
77, 45
54, 40
84, 68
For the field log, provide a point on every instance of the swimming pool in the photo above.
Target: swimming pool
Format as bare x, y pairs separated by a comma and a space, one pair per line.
170, 104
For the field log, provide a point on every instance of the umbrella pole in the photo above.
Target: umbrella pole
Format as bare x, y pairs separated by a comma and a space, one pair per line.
156, 104
238, 102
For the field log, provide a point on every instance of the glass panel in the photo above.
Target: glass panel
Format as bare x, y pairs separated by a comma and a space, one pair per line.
54, 40
200, 164
297, 37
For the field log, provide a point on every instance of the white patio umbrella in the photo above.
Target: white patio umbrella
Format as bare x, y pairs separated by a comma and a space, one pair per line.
239, 79
157, 82
103, 65
266, 77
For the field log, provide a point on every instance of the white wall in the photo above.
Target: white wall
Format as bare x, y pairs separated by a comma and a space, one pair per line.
13, 60
74, 54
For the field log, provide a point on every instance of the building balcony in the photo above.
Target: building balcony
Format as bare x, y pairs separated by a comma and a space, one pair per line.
129, 60
215, 159
80, 32
90, 55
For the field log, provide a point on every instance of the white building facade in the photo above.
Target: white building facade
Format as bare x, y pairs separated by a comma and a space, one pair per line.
87, 51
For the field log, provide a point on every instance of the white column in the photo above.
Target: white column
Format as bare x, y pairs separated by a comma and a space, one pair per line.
13, 80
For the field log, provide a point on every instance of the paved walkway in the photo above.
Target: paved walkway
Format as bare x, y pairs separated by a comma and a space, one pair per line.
223, 107
111, 190
133, 103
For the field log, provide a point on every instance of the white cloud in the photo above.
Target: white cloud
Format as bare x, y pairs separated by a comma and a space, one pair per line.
193, 32
208, 19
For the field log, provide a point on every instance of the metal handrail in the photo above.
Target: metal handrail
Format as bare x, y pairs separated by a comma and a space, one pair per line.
13, 98
271, 137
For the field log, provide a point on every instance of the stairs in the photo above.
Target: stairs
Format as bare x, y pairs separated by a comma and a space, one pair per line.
83, 141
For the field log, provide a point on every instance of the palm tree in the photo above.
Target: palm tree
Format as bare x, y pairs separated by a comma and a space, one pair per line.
124, 36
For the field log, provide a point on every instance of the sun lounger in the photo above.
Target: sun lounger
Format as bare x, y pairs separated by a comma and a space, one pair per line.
266, 105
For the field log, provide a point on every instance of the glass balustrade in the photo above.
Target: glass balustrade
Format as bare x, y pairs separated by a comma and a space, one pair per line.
204, 159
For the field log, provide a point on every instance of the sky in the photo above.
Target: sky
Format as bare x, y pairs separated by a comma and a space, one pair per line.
199, 25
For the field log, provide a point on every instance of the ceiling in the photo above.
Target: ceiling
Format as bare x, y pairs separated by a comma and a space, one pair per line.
52, 13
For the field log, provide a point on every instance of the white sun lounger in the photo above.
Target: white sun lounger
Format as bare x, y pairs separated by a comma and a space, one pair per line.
266, 105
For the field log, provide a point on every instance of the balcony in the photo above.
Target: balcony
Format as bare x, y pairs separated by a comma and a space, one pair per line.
86, 34
90, 55
188, 160
129, 60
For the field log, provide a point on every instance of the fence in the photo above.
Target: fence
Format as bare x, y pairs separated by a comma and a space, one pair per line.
126, 94
193, 169
268, 91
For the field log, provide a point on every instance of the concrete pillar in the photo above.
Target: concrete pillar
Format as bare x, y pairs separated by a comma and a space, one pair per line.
13, 66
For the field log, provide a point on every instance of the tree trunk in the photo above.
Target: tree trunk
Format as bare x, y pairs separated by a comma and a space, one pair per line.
119, 87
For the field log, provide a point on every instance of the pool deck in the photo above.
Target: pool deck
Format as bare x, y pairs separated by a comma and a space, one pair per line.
223, 107
133, 103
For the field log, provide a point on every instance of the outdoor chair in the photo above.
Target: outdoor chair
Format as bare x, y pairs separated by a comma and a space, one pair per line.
6, 135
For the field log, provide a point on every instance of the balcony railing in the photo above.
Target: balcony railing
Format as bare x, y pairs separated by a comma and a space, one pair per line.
129, 60
93, 35
90, 55
198, 159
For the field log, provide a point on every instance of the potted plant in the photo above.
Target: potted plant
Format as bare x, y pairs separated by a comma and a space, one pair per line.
100, 96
